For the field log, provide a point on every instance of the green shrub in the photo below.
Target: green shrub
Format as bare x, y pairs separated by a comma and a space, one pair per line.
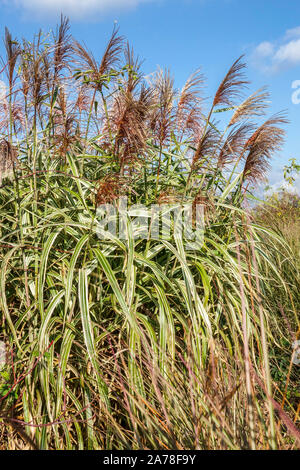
117, 344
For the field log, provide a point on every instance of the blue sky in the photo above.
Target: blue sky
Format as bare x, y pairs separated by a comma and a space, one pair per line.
187, 34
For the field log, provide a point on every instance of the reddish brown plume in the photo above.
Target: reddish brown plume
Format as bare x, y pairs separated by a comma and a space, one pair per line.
260, 147
234, 144
254, 105
232, 85
188, 114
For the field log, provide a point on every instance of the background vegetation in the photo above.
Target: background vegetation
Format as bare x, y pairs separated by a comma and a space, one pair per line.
140, 344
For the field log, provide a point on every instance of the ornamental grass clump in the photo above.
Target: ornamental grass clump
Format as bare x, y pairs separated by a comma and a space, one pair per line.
126, 342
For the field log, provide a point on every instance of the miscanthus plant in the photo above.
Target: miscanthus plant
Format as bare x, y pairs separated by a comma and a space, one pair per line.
136, 343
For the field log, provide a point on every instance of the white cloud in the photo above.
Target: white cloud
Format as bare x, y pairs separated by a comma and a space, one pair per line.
289, 53
265, 49
293, 33
284, 185
272, 57
74, 9
276, 182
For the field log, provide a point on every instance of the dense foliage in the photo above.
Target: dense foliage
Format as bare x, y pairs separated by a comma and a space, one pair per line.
129, 343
